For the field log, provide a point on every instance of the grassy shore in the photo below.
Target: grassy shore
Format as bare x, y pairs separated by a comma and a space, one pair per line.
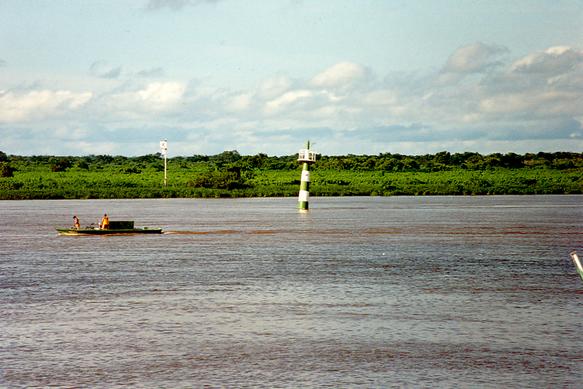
231, 175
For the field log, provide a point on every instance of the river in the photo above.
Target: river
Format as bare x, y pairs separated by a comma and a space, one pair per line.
359, 292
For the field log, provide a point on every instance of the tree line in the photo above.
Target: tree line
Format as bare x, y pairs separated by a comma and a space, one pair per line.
382, 162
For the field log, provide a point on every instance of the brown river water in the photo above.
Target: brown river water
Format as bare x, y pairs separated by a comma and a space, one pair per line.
359, 292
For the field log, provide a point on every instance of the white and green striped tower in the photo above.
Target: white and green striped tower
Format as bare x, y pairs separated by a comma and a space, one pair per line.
306, 157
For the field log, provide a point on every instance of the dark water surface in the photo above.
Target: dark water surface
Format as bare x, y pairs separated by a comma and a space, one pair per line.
360, 292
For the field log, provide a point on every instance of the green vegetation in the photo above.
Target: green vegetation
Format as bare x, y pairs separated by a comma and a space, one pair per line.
230, 174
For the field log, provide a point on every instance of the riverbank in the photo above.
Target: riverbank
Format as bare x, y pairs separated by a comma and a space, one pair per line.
232, 175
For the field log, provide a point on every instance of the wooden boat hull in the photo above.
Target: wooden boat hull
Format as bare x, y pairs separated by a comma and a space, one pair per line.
119, 231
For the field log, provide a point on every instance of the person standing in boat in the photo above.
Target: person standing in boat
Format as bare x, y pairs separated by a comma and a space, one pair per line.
104, 222
76, 223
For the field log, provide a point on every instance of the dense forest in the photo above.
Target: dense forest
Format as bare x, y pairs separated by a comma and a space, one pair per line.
230, 174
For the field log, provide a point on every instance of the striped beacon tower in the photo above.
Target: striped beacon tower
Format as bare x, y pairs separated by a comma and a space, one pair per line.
305, 157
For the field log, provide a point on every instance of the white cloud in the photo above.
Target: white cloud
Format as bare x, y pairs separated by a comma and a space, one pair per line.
39, 104
274, 87
161, 94
240, 102
496, 96
478, 96
554, 60
474, 58
150, 99
340, 75
544, 103
384, 98
286, 100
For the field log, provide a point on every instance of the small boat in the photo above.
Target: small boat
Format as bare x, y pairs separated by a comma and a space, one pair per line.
119, 227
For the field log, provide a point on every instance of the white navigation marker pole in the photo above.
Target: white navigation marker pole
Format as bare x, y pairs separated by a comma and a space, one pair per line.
164, 152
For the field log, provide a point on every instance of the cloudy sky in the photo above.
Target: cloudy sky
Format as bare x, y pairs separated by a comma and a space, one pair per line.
360, 77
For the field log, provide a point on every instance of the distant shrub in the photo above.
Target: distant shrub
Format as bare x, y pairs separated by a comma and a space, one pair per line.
131, 170
10, 185
6, 170
217, 180
60, 164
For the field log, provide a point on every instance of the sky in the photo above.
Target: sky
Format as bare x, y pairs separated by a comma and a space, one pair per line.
353, 77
